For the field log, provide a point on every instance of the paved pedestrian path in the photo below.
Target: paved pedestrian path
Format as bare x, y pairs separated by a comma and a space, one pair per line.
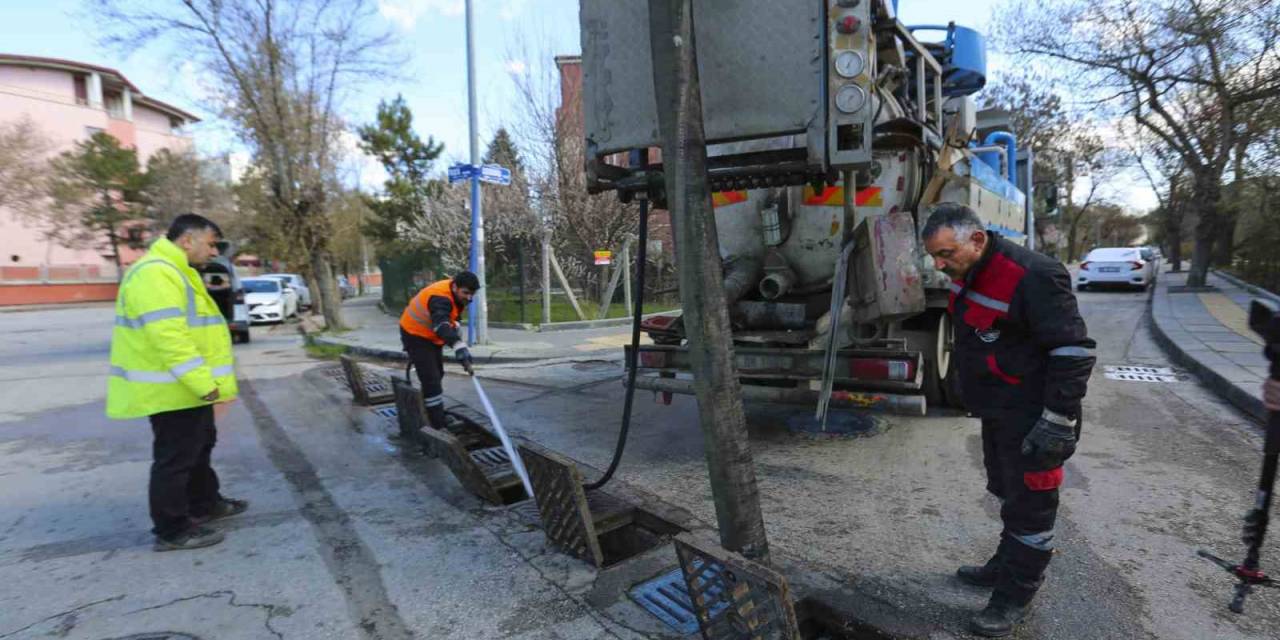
377, 334
1207, 331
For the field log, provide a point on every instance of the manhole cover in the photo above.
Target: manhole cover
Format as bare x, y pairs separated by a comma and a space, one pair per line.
667, 598
1141, 374
839, 423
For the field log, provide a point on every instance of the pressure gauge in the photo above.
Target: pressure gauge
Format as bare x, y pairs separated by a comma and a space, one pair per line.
850, 98
849, 64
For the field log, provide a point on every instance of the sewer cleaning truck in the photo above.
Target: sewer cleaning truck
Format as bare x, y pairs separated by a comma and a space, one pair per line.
831, 128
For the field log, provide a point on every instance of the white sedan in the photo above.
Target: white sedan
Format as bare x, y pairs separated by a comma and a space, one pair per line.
268, 301
1116, 266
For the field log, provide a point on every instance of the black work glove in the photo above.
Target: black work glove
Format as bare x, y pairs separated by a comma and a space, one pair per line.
463, 356
1051, 441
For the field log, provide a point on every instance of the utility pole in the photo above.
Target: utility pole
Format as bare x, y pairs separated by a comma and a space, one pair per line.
478, 312
706, 317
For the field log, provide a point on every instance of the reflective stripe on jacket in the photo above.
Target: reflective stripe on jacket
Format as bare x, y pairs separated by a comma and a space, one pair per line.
433, 314
170, 346
1021, 344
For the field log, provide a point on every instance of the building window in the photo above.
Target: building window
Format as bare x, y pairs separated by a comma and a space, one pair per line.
114, 103
82, 89
175, 125
90, 131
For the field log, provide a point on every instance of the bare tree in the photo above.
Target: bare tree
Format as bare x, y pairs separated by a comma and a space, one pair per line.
281, 68
550, 130
1185, 71
182, 182
23, 149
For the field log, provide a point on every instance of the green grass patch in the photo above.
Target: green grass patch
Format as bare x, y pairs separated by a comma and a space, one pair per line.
324, 351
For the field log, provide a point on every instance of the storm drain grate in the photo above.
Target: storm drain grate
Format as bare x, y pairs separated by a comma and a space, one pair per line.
387, 411
1141, 374
667, 598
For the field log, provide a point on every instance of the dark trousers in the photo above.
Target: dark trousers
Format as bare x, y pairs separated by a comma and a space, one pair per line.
183, 483
1028, 510
428, 360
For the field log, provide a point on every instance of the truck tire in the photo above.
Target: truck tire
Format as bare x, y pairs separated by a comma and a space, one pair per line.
941, 384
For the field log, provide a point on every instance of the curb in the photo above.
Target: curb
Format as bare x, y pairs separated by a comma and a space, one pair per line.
1252, 289
379, 353
1228, 390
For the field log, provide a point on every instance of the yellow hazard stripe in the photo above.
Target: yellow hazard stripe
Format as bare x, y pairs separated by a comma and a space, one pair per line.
722, 198
834, 197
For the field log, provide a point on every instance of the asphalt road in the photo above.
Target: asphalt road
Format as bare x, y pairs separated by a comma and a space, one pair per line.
350, 536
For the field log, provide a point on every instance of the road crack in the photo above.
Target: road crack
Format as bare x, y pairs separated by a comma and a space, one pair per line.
62, 614
271, 609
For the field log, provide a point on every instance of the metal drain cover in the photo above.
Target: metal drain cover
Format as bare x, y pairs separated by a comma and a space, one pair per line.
667, 598
1141, 374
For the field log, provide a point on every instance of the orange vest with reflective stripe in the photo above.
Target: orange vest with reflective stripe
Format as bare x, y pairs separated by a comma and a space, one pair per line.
416, 318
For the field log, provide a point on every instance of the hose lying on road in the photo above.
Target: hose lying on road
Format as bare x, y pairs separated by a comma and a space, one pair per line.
633, 354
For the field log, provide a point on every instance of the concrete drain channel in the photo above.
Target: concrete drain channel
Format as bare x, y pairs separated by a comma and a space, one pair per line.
718, 592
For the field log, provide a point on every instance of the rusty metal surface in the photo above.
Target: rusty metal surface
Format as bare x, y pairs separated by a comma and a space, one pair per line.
459, 461
871, 400
885, 281
562, 503
409, 409
742, 98
733, 597
367, 388
791, 363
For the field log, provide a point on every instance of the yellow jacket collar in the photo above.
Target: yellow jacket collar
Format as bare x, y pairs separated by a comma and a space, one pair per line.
165, 248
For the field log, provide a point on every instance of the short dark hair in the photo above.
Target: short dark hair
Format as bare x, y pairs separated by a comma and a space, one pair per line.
467, 280
952, 215
188, 222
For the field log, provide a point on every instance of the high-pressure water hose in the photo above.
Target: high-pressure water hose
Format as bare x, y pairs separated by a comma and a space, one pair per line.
634, 354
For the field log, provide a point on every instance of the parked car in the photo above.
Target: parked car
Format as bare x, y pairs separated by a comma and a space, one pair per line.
295, 281
345, 289
289, 291
1152, 255
227, 290
1118, 266
268, 301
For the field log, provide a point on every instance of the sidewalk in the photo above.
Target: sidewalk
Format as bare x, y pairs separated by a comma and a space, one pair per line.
1207, 332
375, 334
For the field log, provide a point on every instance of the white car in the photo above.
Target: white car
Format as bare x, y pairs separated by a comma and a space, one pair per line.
1116, 266
289, 291
268, 301
300, 285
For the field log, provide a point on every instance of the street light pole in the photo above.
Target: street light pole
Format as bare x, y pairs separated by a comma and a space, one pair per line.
478, 313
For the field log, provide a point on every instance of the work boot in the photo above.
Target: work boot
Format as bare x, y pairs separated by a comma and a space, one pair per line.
224, 508
998, 619
195, 537
437, 419
980, 575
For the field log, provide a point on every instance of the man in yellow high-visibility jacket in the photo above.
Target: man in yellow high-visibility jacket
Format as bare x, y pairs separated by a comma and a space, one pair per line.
171, 361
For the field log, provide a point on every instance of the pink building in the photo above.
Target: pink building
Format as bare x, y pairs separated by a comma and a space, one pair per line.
68, 102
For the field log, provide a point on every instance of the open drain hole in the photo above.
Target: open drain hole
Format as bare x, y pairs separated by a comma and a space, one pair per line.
645, 531
819, 621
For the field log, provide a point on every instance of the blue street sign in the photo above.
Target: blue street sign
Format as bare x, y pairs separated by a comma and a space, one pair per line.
460, 172
495, 174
